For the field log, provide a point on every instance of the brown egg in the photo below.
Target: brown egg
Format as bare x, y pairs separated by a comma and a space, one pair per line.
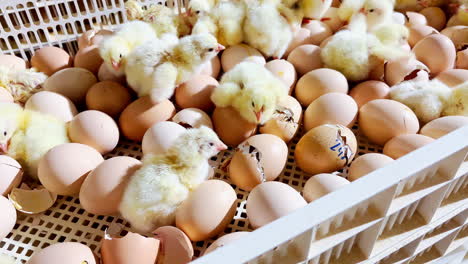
212, 67
402, 69
224, 240
132, 248
300, 37
196, 93
285, 121
12, 62
435, 17
260, 158
142, 114
92, 37
63, 169
325, 149
269, 201
53, 104
332, 19
462, 59
50, 60
5, 96
401, 145
418, 32
106, 74
319, 82
366, 164
176, 247
377, 71
108, 97
192, 118
12, 174
458, 35
200, 216
234, 131
7, 217
238, 53
415, 18
72, 252
322, 184
284, 71
103, 188
305, 58
95, 129
383, 119
318, 31
89, 58
368, 91
73, 83
160, 137
453, 77
442, 126
331, 108
445, 58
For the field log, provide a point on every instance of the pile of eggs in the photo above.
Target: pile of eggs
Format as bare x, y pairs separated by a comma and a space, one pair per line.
99, 109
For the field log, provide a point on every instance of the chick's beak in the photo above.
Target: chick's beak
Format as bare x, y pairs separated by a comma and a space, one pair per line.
220, 48
115, 65
3, 148
258, 115
363, 11
221, 146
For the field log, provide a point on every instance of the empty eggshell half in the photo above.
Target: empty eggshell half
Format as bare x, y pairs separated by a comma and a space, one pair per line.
132, 248
224, 240
402, 69
192, 118
322, 184
50, 60
53, 104
32, 201
403, 144
12, 62
442, 126
160, 137
73, 83
366, 164
7, 217
11, 174
176, 247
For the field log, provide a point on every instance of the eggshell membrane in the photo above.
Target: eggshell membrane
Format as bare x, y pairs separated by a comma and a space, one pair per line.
224, 240
445, 58
319, 82
415, 18
453, 77
53, 104
383, 119
73, 83
284, 71
160, 137
95, 129
318, 151
176, 246
331, 19
132, 248
72, 252
305, 58
397, 70
192, 117
63, 169
32, 201
443, 125
5, 96
89, 58
235, 131
7, 217
92, 37
282, 128
12, 174
269, 201
12, 62
50, 60
103, 188
238, 53
108, 97
142, 114
243, 169
435, 17
331, 108
368, 91
418, 32
462, 59
211, 68
457, 34
200, 216
366, 164
321, 185
106, 74
401, 145
196, 93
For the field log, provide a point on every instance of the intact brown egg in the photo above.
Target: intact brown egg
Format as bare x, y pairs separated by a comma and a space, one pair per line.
231, 127
160, 137
224, 240
238, 53
71, 252
196, 93
305, 58
73, 83
366, 164
285, 121
368, 91
435, 17
401, 145
453, 77
443, 125
108, 97
319, 82
142, 114
418, 32
7, 217
403, 69
318, 31
383, 119
415, 18
284, 71
446, 53
322, 184
12, 62
325, 149
50, 60
212, 67
53, 104
89, 58
462, 59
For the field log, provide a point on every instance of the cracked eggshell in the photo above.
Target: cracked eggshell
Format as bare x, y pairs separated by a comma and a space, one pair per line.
239, 53
160, 137
322, 184
443, 125
401, 145
418, 32
260, 158
284, 71
366, 164
176, 247
92, 37
234, 131
368, 91
53, 104
462, 59
325, 149
446, 53
7, 217
73, 83
453, 77
458, 35
72, 252
11, 174
196, 93
224, 240
192, 118
50, 60
132, 248
285, 121
32, 201
399, 70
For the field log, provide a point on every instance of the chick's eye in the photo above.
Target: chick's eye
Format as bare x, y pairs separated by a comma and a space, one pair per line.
210, 50
4, 133
253, 104
371, 10
211, 144
197, 12
120, 55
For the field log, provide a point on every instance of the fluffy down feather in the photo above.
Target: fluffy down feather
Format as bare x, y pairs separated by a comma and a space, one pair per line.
376, 12
21, 84
458, 101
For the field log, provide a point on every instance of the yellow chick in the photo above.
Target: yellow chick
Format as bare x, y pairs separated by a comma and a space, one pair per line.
458, 101
27, 135
250, 89
134, 10
165, 181
21, 84
376, 12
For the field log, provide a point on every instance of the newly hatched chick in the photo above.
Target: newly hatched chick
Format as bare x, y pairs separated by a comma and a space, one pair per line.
458, 101
376, 12
250, 89
27, 135
298, 11
165, 181
21, 84
134, 10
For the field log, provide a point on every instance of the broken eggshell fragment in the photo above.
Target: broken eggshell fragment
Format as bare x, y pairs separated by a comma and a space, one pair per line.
192, 118
176, 247
404, 69
33, 201
11, 174
285, 121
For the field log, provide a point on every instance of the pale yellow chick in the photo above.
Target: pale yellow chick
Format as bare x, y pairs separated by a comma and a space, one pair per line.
21, 84
27, 135
458, 101
376, 12
250, 89
165, 181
